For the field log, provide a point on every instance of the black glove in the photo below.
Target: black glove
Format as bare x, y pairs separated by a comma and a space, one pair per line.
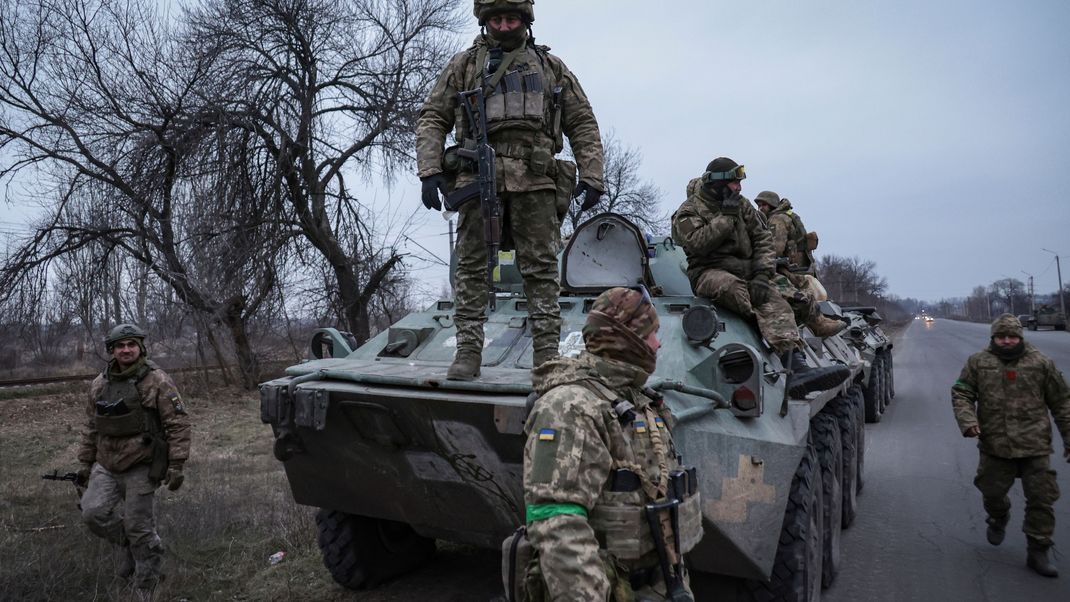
590, 195
174, 477
432, 185
731, 203
83, 475
761, 290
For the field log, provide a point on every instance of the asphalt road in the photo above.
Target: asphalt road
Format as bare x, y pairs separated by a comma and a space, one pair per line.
920, 531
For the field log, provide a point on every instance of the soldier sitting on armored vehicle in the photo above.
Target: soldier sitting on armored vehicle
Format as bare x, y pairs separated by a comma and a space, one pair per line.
795, 264
730, 260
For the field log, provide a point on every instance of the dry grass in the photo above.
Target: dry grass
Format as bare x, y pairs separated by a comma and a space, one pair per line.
234, 510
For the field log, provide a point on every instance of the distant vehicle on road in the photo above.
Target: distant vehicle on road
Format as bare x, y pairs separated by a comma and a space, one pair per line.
929, 319
1045, 315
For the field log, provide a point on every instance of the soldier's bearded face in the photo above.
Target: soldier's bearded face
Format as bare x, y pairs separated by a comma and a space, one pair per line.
126, 352
505, 22
735, 186
1006, 340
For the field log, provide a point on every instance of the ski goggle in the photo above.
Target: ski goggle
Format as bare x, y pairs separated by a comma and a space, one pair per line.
736, 173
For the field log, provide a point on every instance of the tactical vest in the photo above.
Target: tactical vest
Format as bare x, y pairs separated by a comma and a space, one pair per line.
619, 517
136, 419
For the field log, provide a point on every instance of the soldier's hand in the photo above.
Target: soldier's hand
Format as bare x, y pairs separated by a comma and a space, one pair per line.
732, 203
973, 431
83, 475
760, 289
589, 193
432, 186
174, 477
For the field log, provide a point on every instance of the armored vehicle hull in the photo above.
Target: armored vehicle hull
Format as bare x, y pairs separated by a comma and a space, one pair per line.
396, 455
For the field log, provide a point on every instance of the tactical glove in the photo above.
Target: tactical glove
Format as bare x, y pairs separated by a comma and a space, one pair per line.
761, 290
589, 193
731, 203
174, 477
83, 475
973, 431
432, 185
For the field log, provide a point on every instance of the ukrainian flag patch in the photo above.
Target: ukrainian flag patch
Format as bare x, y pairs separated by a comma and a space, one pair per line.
658, 422
640, 426
547, 434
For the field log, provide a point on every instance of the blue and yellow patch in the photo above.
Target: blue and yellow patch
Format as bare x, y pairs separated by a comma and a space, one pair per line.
547, 434
640, 426
658, 422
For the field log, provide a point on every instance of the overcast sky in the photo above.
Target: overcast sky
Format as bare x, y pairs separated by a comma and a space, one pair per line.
930, 137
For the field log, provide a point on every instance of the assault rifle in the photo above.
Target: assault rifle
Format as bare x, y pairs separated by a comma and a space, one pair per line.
475, 111
70, 476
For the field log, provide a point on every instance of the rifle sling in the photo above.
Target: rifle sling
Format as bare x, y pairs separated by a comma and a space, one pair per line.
507, 60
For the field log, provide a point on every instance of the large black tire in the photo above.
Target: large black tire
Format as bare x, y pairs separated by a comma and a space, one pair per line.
891, 374
797, 567
858, 402
843, 410
873, 393
362, 552
827, 442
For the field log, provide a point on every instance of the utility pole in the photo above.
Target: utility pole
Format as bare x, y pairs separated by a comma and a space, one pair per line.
1059, 271
1032, 296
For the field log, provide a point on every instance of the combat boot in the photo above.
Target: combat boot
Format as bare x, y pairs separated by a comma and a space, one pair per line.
1037, 559
805, 380
823, 327
997, 530
465, 366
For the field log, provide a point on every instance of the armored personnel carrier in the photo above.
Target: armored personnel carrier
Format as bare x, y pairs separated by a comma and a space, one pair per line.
396, 456
875, 348
1046, 315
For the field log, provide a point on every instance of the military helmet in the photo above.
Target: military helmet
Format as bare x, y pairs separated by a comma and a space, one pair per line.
485, 9
723, 169
768, 197
1007, 325
124, 331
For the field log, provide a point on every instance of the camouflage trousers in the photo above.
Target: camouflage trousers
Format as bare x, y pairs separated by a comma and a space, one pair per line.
536, 232
803, 305
118, 506
776, 319
996, 475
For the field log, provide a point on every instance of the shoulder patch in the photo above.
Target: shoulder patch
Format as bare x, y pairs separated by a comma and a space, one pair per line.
547, 434
176, 402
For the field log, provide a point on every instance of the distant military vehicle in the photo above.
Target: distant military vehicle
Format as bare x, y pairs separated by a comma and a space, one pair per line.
1044, 316
875, 347
397, 456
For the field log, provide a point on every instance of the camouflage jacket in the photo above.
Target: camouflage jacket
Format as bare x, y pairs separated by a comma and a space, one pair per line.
574, 442
788, 232
738, 244
1010, 402
159, 395
514, 140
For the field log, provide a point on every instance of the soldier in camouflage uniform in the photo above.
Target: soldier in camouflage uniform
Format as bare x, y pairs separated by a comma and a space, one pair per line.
599, 450
790, 249
136, 437
730, 260
532, 99
1003, 397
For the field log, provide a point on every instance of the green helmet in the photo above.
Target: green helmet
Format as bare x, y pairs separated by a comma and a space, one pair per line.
485, 9
124, 331
768, 197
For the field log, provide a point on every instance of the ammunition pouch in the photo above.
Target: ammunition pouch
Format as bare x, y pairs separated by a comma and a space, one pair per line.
130, 423
160, 449
565, 183
516, 556
626, 532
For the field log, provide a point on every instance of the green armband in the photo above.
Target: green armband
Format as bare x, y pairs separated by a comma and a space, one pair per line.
964, 387
537, 512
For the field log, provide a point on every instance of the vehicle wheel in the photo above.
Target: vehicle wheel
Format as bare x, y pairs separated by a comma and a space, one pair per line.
796, 573
826, 431
842, 409
1060, 327
873, 393
858, 402
362, 552
886, 366
1032, 326
890, 375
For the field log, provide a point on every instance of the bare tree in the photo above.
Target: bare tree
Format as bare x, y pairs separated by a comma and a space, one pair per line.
325, 86
851, 279
626, 192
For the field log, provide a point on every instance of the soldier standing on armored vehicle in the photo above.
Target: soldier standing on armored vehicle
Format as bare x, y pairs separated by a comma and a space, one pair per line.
531, 100
600, 466
794, 263
1003, 398
136, 437
730, 260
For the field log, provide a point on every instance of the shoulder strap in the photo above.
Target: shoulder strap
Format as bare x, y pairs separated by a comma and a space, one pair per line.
507, 60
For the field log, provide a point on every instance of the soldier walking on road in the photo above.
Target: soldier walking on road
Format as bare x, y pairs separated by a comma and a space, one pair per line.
1003, 397
599, 457
531, 100
730, 261
136, 438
